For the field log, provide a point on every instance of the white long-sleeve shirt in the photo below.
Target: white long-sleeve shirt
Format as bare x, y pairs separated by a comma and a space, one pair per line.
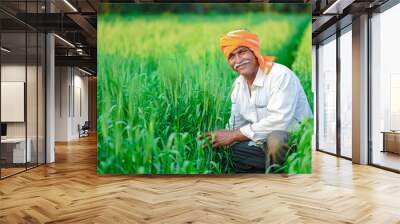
277, 103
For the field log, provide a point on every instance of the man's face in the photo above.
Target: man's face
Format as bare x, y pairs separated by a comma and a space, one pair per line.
243, 61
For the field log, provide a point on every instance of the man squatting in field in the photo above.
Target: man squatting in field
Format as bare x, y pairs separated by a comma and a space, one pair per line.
267, 102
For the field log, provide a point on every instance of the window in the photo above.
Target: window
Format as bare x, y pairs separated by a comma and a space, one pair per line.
346, 74
22, 86
385, 89
327, 96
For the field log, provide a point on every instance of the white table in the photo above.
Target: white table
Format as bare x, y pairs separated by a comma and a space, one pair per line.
18, 145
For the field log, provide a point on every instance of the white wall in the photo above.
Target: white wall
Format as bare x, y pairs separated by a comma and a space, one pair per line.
15, 72
70, 83
33, 126
62, 81
13, 100
79, 117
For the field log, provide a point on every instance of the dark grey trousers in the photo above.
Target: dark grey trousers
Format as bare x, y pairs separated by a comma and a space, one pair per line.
253, 159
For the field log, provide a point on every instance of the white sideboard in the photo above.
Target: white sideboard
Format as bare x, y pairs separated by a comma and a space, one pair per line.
18, 144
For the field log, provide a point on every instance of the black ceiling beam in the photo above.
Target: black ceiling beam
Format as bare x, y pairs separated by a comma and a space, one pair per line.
17, 21
324, 28
84, 24
49, 22
331, 30
202, 1
78, 61
11, 25
87, 51
91, 5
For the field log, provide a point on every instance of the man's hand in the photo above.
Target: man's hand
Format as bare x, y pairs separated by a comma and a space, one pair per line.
224, 137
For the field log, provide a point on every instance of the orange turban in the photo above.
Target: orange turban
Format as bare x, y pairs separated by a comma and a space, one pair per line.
238, 38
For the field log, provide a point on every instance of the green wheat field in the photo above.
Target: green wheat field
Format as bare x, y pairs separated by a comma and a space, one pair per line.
162, 82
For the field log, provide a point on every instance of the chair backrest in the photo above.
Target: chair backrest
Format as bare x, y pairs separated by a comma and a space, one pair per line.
86, 125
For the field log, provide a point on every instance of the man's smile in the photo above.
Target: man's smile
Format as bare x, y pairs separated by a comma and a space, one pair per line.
241, 64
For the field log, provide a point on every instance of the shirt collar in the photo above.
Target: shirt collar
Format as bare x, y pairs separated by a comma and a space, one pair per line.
260, 78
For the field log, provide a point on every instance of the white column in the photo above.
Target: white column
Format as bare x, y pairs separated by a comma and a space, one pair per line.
50, 93
360, 90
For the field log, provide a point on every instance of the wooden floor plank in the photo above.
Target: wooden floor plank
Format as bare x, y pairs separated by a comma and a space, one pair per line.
70, 191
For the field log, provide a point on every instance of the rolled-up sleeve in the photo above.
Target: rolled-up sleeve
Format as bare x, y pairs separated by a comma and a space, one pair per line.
279, 112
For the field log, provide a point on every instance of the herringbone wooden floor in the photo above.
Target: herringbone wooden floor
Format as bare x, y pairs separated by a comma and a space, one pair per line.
70, 191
